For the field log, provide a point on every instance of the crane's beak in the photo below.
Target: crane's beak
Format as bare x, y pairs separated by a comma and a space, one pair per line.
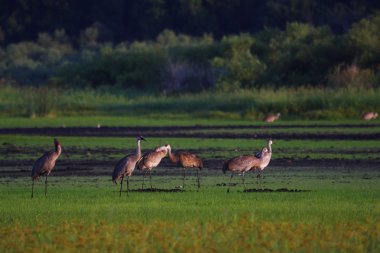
142, 138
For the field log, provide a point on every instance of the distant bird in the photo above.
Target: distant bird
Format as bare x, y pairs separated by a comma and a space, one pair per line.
126, 165
150, 160
185, 160
245, 163
369, 115
272, 118
45, 164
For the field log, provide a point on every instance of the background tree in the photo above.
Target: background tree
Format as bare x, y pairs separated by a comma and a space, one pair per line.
238, 67
364, 41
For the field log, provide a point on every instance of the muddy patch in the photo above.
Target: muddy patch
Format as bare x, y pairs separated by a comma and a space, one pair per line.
22, 168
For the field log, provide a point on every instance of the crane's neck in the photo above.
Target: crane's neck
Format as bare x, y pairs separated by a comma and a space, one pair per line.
138, 150
270, 147
58, 150
173, 158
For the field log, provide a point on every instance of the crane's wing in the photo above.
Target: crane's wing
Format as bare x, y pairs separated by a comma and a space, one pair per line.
151, 159
243, 163
141, 161
120, 168
41, 165
138, 161
190, 160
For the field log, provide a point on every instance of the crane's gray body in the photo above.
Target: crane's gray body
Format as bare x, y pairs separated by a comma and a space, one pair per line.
126, 165
45, 164
152, 158
244, 163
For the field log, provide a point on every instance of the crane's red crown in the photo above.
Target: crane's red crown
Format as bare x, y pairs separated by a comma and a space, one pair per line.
56, 142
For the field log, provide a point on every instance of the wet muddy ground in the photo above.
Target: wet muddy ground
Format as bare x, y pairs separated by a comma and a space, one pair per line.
196, 132
78, 161
23, 168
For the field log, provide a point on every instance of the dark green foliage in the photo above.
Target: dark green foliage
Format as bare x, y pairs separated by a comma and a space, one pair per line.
363, 40
301, 54
144, 19
238, 67
140, 70
285, 54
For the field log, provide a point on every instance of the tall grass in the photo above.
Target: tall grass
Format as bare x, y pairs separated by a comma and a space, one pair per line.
292, 103
87, 214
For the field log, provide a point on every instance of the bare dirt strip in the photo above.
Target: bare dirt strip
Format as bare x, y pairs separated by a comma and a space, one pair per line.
186, 132
96, 164
22, 168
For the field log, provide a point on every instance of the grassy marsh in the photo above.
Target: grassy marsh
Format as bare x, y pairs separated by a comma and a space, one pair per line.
340, 213
293, 103
338, 209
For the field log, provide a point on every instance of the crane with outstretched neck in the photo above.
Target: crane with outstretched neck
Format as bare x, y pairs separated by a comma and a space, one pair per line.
126, 165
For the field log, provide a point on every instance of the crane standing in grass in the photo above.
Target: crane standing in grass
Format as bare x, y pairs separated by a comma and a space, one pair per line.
126, 165
150, 160
272, 118
244, 163
45, 164
185, 160
264, 156
369, 115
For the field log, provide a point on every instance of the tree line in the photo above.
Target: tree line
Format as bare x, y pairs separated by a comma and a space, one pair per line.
290, 54
132, 20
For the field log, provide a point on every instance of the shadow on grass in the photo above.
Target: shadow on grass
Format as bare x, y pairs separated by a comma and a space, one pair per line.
276, 190
157, 190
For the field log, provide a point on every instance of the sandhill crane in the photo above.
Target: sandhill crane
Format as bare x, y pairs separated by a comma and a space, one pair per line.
265, 157
126, 165
244, 163
369, 115
45, 164
272, 118
150, 160
185, 160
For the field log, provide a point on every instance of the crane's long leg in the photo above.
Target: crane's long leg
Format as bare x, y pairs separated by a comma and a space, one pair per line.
183, 179
32, 187
199, 184
150, 179
259, 180
229, 184
46, 183
121, 185
142, 187
127, 185
243, 178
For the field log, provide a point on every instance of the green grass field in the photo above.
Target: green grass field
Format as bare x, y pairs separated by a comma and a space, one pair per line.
341, 209
336, 210
329, 197
159, 120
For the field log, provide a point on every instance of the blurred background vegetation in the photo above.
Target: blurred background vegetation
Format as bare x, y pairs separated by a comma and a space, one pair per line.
315, 58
